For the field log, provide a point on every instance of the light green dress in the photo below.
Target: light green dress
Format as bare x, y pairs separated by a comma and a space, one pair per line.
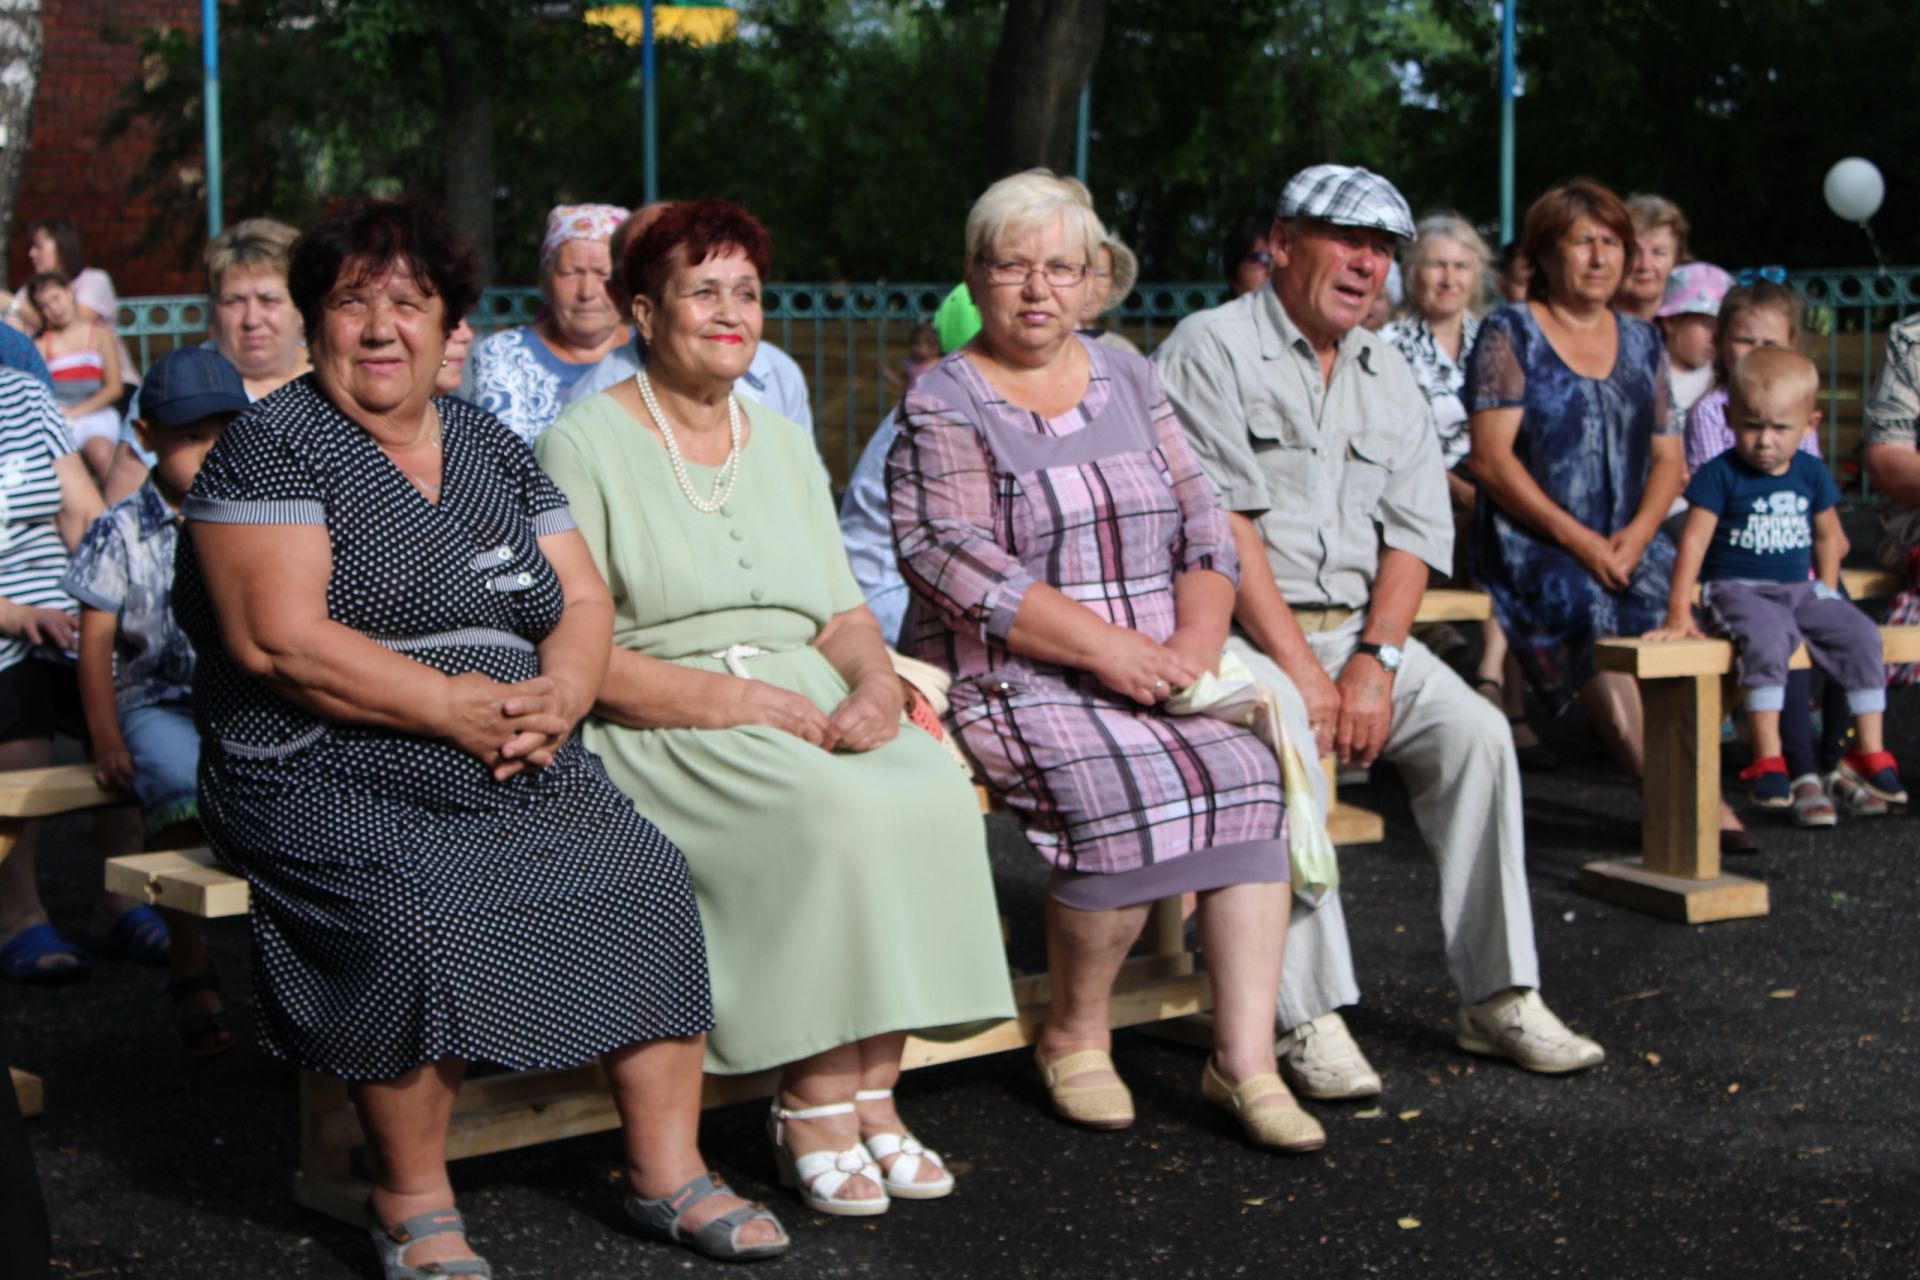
843, 894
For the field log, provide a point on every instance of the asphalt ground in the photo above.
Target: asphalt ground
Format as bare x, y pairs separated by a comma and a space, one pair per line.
1755, 1116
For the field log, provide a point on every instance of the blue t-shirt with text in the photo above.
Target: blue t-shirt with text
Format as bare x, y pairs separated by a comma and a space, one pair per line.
1765, 532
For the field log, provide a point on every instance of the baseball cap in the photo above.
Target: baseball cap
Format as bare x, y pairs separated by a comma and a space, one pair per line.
1347, 196
1695, 289
189, 384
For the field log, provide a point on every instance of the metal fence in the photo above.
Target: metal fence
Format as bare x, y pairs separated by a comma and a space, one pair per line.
844, 335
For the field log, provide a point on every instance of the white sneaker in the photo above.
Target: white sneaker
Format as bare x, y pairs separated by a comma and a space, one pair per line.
1321, 1061
1517, 1024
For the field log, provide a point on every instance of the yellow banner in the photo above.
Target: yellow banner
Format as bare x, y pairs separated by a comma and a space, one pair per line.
694, 23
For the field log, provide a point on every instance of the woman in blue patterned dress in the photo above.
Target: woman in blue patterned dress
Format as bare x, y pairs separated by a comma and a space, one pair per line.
1071, 565
1578, 455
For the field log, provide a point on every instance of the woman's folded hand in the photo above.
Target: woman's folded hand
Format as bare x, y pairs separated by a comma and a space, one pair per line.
477, 721
757, 702
869, 717
1141, 668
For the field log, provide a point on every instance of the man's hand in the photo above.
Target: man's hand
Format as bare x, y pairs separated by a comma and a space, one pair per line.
1322, 698
1366, 710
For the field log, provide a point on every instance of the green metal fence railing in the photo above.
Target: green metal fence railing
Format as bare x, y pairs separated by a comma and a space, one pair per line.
844, 335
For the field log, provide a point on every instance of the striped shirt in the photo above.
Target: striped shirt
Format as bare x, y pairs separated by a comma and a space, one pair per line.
32, 557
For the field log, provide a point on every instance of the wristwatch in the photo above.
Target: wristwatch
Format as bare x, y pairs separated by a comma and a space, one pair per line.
1389, 656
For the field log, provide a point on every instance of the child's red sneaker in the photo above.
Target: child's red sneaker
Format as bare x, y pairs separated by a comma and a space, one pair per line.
1875, 771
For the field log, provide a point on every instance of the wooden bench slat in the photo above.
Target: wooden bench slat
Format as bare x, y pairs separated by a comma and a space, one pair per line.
188, 880
29, 1090
1453, 604
61, 788
1664, 659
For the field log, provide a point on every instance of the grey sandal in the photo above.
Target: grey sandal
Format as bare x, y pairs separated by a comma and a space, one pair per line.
396, 1240
660, 1220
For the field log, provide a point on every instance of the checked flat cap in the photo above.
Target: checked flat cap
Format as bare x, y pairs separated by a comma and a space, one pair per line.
1346, 196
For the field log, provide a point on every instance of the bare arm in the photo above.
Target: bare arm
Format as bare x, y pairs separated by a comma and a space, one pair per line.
1694, 540
125, 474
112, 766
1366, 687
1894, 471
1665, 479
1829, 546
80, 503
1263, 614
268, 586
573, 656
1203, 614
870, 713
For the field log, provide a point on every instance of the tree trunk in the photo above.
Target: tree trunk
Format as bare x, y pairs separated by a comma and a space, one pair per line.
21, 37
469, 147
1046, 55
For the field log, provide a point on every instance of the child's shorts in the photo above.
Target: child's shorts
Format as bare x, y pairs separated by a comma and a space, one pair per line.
166, 759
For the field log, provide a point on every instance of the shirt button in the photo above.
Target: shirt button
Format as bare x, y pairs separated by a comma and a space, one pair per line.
746, 562
736, 535
757, 594
525, 579
727, 511
505, 553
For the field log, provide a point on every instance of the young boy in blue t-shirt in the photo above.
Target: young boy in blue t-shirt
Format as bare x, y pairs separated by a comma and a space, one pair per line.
1764, 540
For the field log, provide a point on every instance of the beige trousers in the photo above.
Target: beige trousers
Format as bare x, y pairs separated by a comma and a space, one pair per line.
1455, 754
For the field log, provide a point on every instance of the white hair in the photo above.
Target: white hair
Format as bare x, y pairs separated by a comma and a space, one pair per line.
1026, 202
1453, 227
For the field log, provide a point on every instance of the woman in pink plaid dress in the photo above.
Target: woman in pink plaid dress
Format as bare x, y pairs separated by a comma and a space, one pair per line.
1072, 567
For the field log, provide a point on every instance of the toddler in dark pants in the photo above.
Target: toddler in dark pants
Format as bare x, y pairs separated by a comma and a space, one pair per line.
1763, 539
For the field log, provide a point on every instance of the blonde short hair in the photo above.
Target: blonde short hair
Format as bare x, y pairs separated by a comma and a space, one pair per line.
1453, 227
1650, 211
251, 242
1025, 202
1126, 270
1776, 369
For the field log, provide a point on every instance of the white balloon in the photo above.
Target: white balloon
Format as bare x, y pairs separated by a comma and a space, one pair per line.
1854, 189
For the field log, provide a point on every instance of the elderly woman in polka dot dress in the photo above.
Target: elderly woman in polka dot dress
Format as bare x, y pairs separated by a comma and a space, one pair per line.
398, 628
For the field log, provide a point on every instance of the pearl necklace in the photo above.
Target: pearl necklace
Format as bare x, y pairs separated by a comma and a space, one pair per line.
729, 472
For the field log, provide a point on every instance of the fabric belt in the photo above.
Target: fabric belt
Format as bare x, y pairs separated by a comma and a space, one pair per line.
734, 655
1313, 617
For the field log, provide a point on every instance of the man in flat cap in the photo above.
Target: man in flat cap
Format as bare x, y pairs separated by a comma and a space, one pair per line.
1319, 440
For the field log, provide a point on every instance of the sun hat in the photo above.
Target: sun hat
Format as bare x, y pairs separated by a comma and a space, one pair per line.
1695, 289
1347, 196
189, 384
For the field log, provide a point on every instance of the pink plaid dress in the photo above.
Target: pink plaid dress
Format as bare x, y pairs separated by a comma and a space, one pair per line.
1107, 504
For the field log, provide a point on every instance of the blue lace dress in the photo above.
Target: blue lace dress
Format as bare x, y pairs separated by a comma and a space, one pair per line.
1588, 443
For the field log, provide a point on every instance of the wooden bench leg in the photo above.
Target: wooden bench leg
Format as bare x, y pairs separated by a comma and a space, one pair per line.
326, 1180
29, 1091
1678, 876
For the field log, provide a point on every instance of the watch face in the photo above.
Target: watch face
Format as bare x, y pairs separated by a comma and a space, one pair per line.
1390, 655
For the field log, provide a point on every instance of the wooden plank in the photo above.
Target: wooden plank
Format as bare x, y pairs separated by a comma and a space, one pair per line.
29, 1090
187, 880
1871, 584
1663, 659
62, 788
1680, 809
1685, 899
1452, 604
1350, 824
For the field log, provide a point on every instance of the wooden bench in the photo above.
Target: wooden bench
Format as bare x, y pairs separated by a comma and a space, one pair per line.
1678, 874
28, 794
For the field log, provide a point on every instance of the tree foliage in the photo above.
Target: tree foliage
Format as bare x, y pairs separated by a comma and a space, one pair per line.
861, 131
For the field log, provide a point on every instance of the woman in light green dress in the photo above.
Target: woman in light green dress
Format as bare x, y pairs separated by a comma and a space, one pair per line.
751, 712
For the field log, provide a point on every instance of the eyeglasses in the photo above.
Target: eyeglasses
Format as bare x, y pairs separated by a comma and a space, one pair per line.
1061, 275
1258, 258
1753, 275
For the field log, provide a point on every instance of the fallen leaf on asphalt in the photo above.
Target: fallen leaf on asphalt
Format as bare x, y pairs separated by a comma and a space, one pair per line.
1408, 1115
1371, 1113
1257, 1200
1408, 1224
1784, 993
1734, 1087
1865, 1040
1652, 1058
1641, 995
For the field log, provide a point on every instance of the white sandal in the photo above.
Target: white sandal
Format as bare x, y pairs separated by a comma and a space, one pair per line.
902, 1179
818, 1174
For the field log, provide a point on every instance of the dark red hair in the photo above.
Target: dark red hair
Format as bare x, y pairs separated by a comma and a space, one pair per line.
1554, 214
689, 233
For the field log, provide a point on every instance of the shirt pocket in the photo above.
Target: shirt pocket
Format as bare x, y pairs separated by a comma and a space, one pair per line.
1371, 456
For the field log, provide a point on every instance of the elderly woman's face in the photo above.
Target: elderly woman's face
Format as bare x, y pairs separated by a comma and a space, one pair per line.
577, 292
1027, 306
1099, 288
255, 325
381, 341
705, 326
1653, 261
1591, 263
454, 363
1445, 278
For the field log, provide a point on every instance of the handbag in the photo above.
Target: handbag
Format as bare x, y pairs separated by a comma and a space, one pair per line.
1234, 695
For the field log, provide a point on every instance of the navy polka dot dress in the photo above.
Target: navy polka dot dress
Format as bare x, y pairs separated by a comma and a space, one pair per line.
407, 907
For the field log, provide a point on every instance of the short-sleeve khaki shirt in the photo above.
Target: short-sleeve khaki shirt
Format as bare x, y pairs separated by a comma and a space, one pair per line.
1328, 469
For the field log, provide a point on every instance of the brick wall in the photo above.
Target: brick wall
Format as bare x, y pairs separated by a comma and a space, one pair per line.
67, 172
